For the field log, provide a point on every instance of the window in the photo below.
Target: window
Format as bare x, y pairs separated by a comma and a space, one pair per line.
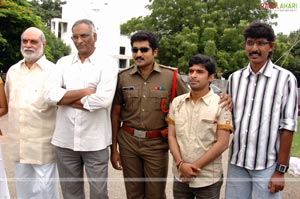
122, 50
122, 63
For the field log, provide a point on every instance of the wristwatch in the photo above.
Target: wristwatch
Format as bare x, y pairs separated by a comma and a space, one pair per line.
281, 168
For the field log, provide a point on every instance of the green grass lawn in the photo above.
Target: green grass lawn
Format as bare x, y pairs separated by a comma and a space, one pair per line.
296, 142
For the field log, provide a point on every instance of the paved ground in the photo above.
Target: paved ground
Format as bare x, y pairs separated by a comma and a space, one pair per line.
116, 188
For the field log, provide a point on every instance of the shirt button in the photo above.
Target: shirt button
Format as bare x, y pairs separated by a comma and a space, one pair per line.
144, 96
145, 83
143, 110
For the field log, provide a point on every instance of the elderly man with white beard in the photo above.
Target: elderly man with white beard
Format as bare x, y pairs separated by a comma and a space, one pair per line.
31, 120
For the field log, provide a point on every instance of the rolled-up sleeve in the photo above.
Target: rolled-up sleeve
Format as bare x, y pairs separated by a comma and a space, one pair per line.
289, 117
104, 92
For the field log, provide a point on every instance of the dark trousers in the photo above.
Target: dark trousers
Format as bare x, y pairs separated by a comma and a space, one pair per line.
183, 191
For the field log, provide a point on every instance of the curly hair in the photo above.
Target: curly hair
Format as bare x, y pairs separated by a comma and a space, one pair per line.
259, 29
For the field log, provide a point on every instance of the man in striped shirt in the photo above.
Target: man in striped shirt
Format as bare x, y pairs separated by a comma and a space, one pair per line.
264, 115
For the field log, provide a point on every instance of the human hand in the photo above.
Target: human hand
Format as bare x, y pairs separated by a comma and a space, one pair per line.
188, 171
89, 91
115, 159
226, 101
276, 182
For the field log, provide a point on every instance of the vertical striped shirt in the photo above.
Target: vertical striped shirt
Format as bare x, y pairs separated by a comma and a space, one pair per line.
264, 103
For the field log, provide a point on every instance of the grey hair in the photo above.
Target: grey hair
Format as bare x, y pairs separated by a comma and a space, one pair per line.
87, 22
42, 35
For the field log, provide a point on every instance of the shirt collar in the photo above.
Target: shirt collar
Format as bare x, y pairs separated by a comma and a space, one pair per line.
266, 70
41, 62
206, 98
92, 58
155, 68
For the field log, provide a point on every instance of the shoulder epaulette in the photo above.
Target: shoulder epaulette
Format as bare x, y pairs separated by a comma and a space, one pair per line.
168, 67
125, 69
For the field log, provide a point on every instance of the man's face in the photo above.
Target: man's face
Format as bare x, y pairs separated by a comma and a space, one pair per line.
142, 53
32, 48
257, 50
198, 77
84, 39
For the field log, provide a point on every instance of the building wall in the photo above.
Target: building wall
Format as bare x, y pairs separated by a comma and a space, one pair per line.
107, 26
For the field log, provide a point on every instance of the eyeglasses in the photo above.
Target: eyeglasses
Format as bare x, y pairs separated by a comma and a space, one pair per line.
258, 43
143, 49
82, 36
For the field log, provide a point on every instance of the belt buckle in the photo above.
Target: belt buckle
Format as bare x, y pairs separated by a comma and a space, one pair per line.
139, 133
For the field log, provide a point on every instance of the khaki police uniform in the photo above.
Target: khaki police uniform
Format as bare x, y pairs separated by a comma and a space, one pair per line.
143, 151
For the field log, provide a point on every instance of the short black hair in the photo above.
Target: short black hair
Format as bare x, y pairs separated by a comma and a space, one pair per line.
143, 35
206, 61
259, 29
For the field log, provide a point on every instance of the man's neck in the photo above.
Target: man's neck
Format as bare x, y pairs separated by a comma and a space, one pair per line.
146, 70
195, 95
256, 67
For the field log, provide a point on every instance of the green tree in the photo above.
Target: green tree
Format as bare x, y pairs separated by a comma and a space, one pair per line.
287, 52
47, 9
15, 17
186, 27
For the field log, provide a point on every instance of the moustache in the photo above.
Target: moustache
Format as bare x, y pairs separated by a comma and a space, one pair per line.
139, 58
28, 49
255, 52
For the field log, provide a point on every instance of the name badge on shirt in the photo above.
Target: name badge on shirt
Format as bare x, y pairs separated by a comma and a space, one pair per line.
128, 88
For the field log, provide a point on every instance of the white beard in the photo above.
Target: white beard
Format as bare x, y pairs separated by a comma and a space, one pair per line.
33, 55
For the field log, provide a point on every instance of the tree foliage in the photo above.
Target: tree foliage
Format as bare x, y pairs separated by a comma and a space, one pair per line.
15, 17
212, 27
47, 9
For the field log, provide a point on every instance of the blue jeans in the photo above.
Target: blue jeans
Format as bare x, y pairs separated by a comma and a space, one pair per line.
242, 183
183, 191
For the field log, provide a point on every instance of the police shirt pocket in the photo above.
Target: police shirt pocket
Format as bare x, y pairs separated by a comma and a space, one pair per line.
155, 99
130, 98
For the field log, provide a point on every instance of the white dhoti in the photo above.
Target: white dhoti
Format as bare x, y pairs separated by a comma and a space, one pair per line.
36, 181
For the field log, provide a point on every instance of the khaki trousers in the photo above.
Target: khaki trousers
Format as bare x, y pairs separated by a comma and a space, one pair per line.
145, 166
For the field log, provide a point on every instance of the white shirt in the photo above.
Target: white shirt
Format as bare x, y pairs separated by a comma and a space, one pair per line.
78, 129
31, 120
264, 103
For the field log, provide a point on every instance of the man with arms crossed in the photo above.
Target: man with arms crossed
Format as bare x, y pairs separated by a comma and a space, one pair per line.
83, 87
